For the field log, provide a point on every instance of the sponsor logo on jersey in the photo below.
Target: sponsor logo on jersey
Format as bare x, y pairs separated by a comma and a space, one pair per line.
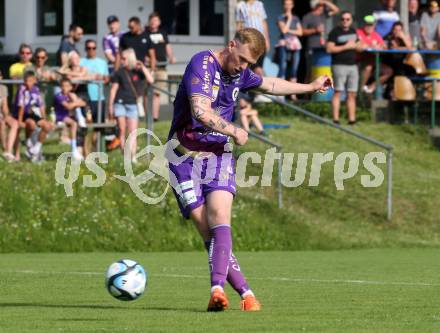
206, 87
215, 90
205, 63
235, 93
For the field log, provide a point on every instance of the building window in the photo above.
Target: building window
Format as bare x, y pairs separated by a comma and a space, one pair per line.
211, 17
84, 15
2, 18
50, 17
174, 15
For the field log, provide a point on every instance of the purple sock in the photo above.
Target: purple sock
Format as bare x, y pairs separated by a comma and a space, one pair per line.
219, 254
235, 276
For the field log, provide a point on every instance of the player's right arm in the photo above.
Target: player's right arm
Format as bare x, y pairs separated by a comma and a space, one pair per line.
201, 111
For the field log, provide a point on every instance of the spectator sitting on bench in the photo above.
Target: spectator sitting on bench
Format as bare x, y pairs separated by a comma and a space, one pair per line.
248, 115
370, 39
66, 102
7, 138
30, 113
397, 39
74, 71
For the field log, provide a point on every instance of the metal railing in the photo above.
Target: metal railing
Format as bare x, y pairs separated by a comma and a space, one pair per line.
358, 135
100, 83
277, 146
378, 52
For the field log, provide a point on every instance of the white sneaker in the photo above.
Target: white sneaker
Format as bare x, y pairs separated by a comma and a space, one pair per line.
367, 90
77, 156
28, 154
35, 149
9, 157
29, 143
80, 118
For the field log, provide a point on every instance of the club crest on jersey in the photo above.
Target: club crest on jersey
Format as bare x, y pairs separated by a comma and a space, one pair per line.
235, 93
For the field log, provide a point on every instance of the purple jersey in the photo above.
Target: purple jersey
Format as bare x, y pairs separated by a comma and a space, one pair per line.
110, 44
204, 77
28, 99
60, 111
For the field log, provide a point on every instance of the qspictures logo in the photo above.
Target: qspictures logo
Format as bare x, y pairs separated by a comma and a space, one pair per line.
346, 166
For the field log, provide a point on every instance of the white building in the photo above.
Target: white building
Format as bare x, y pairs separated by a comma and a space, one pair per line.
194, 24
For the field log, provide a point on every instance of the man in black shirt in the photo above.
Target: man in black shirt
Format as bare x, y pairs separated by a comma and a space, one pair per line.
342, 45
137, 39
68, 44
159, 40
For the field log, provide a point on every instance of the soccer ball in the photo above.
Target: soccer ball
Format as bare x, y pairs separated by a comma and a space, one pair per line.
126, 280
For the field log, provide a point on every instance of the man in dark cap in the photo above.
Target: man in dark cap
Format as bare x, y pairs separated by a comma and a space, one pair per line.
110, 42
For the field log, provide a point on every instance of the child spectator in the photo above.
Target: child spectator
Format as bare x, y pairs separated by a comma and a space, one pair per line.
7, 139
30, 113
66, 102
74, 71
248, 115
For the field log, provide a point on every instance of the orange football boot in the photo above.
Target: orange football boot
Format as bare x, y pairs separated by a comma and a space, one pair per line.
219, 300
250, 303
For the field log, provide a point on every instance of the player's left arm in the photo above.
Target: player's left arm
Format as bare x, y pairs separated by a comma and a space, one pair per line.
280, 87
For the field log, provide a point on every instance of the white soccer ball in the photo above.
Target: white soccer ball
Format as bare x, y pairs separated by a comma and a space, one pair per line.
126, 280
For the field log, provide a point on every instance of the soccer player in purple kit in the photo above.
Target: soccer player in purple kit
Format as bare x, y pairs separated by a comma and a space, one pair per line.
203, 111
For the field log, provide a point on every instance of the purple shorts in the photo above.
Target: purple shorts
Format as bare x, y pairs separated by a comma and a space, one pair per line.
194, 179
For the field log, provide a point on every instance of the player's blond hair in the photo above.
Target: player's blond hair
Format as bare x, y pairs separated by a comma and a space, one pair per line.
253, 38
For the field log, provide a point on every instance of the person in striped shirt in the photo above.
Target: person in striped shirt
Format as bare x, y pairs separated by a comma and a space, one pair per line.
251, 14
110, 42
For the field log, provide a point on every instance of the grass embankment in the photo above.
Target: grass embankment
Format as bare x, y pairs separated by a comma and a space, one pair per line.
36, 215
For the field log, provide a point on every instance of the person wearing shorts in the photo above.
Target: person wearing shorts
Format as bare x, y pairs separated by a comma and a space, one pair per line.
30, 114
342, 45
202, 167
127, 85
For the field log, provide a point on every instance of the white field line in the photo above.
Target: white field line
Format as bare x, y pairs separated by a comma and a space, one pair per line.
279, 279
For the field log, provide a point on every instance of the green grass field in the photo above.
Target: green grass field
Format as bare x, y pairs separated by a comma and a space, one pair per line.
337, 291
